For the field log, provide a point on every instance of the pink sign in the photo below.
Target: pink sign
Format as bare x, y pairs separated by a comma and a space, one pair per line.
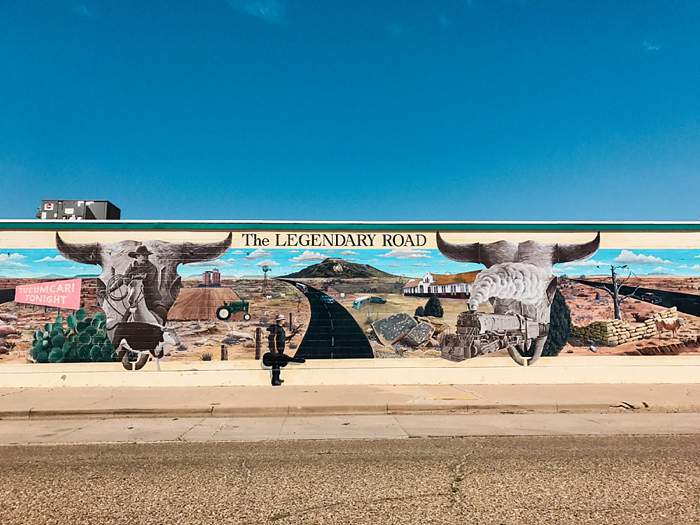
59, 294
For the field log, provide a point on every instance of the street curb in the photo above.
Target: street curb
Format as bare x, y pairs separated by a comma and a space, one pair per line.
331, 410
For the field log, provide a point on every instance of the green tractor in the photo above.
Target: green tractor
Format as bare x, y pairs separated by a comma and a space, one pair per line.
233, 310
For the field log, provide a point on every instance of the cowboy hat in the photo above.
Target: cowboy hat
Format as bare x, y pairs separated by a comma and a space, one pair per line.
141, 250
280, 317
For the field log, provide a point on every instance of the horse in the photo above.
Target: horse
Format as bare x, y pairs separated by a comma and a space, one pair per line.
137, 309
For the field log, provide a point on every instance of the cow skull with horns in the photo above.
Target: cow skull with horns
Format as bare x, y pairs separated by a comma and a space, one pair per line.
518, 279
150, 299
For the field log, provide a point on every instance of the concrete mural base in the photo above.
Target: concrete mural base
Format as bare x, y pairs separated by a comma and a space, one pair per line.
488, 371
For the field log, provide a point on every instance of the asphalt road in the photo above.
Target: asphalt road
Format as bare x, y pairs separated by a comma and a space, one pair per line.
685, 302
332, 331
500, 480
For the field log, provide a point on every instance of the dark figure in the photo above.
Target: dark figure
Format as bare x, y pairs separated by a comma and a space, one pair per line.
144, 269
276, 357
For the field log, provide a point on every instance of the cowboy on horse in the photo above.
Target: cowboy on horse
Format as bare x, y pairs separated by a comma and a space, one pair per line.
144, 270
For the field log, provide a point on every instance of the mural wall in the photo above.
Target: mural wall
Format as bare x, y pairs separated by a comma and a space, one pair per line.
185, 295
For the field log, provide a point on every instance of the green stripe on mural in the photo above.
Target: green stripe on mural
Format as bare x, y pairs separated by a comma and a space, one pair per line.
38, 225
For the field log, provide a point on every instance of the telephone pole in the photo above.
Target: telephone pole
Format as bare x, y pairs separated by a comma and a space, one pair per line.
616, 292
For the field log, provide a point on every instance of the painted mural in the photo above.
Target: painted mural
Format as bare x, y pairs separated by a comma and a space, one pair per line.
146, 296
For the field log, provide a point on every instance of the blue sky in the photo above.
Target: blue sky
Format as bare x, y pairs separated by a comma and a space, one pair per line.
408, 262
370, 109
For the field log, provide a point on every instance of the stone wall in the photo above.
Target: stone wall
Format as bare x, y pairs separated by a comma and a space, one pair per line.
614, 332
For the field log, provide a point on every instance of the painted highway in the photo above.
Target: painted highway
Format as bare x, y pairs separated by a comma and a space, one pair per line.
332, 332
684, 302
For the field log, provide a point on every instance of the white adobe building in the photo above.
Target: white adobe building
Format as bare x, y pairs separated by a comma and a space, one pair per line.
457, 285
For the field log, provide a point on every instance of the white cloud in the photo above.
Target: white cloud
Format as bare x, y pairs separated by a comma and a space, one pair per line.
651, 46
8, 265
695, 267
268, 262
258, 254
309, 256
584, 263
408, 253
237, 252
272, 11
55, 258
629, 257
659, 270
215, 263
348, 252
12, 260
421, 264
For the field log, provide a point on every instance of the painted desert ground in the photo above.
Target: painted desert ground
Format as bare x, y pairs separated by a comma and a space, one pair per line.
192, 316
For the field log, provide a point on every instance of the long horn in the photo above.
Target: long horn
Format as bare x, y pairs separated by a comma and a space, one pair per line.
476, 252
191, 252
518, 356
459, 252
563, 253
82, 253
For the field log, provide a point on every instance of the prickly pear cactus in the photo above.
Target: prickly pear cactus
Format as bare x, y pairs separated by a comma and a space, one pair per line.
75, 339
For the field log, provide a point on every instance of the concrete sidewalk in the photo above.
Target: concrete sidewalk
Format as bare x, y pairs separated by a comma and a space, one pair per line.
386, 426
108, 402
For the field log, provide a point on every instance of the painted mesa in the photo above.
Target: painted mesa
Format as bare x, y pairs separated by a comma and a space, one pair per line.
193, 291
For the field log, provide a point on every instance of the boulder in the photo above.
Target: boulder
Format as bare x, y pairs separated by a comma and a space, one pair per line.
235, 337
8, 330
390, 329
382, 352
419, 334
439, 326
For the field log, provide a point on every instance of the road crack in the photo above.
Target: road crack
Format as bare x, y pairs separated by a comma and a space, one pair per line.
182, 435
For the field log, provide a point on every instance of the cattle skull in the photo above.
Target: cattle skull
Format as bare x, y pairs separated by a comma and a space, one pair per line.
513, 272
114, 259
